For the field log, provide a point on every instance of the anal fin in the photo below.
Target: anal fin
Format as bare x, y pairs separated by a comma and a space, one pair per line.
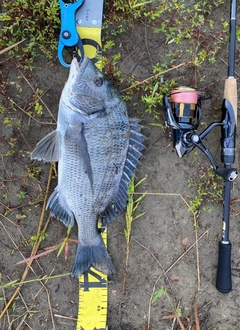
59, 211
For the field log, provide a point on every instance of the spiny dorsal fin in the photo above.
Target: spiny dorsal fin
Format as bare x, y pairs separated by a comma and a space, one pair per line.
118, 204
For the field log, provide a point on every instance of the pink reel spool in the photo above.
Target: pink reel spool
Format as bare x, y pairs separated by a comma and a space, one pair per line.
184, 95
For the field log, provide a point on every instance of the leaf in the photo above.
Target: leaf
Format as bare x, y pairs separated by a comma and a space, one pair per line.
4, 17
61, 247
158, 294
175, 278
140, 198
139, 182
37, 256
66, 251
69, 230
139, 215
155, 88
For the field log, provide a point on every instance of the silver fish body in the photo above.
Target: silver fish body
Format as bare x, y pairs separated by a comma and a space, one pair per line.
97, 148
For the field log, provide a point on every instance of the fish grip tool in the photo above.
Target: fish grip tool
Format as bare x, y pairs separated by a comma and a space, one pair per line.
81, 24
69, 36
183, 111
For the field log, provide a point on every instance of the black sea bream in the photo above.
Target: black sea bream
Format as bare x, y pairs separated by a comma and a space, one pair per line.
97, 148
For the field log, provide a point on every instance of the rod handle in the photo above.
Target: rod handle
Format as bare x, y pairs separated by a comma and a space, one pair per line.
224, 276
230, 93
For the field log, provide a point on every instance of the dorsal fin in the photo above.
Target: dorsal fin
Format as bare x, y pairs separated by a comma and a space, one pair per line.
118, 204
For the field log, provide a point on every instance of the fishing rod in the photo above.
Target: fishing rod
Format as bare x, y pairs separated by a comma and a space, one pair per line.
224, 278
183, 112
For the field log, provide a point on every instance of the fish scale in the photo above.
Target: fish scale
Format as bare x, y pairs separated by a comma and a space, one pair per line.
97, 148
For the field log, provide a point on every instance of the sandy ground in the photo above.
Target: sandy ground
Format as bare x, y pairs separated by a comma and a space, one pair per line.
167, 251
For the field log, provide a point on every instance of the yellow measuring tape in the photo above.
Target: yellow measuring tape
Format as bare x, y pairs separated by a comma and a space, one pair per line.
93, 299
93, 290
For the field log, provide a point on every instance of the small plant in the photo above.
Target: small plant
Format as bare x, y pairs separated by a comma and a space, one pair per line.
154, 98
34, 238
132, 207
65, 244
131, 8
162, 292
33, 171
21, 194
208, 186
37, 22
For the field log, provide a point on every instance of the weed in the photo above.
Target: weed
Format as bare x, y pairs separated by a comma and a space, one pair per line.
4, 196
65, 244
20, 216
14, 250
8, 122
155, 93
33, 171
21, 195
162, 292
208, 186
37, 22
32, 240
132, 207
131, 8
10, 153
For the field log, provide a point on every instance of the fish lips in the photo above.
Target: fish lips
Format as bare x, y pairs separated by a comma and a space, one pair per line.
79, 67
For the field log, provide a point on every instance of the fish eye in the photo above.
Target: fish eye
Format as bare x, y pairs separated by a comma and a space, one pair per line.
98, 81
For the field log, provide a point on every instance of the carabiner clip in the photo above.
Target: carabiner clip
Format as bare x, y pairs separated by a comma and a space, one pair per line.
69, 36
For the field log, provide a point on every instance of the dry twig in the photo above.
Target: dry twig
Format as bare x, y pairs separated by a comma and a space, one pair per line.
156, 75
10, 47
196, 316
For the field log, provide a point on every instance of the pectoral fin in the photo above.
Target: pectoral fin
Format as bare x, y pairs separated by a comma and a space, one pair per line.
85, 155
47, 149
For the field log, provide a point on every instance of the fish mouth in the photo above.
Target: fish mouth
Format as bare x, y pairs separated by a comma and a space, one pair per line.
80, 67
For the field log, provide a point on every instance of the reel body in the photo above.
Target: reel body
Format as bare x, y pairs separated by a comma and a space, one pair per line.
183, 112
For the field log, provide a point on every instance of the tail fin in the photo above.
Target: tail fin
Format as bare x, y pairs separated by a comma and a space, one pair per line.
92, 256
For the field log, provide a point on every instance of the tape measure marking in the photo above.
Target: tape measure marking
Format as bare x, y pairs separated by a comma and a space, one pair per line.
93, 288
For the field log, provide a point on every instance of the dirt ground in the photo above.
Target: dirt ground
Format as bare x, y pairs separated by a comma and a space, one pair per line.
166, 249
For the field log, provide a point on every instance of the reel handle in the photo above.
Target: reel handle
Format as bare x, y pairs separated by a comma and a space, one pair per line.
224, 277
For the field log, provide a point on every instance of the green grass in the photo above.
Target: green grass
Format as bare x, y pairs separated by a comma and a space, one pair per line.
207, 186
35, 21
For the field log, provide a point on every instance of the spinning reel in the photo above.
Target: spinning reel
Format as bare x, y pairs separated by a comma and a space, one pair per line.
183, 112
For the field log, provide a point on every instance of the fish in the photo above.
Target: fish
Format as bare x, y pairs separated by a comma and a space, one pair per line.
97, 147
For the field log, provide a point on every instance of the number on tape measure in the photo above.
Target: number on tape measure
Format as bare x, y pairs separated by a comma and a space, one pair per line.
99, 283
